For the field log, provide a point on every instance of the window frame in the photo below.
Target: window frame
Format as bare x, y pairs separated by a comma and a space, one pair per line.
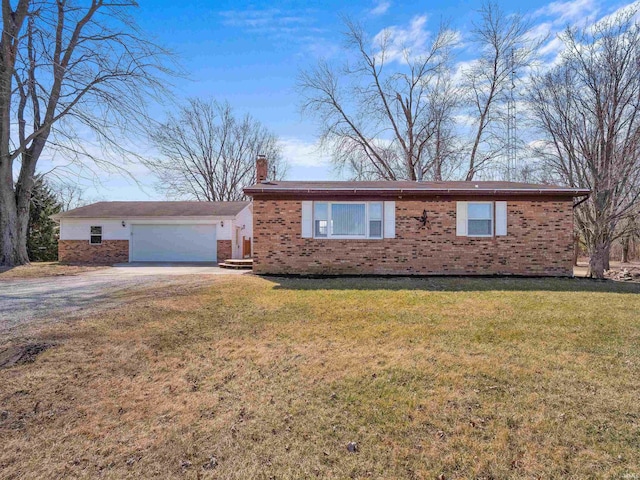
314, 220
331, 236
96, 235
492, 219
369, 220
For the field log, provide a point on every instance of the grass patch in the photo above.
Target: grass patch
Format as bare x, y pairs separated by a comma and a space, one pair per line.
468, 378
45, 269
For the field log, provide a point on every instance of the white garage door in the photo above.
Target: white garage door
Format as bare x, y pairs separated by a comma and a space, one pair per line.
173, 243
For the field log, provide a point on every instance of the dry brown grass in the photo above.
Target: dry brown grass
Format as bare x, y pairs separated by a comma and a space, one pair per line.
44, 269
469, 378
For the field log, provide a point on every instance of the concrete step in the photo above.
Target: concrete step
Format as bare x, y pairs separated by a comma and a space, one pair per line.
237, 263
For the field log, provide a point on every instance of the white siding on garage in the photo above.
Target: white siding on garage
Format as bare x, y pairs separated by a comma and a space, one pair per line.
78, 229
245, 219
173, 243
112, 229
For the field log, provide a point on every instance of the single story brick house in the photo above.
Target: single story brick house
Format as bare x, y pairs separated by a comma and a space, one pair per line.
115, 232
337, 228
412, 228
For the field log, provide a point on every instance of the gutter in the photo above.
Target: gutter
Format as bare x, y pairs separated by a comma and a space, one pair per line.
577, 192
58, 216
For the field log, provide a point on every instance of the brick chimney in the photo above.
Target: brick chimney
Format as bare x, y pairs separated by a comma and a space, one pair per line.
261, 168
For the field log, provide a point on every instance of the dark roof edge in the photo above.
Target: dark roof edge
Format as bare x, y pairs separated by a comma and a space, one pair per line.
349, 191
57, 216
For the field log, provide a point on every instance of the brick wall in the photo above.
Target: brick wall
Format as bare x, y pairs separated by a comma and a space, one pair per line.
538, 242
224, 250
81, 251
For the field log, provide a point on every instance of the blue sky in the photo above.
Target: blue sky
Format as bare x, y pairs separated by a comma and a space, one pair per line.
249, 53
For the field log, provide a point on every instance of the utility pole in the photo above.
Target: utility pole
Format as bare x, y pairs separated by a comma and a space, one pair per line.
512, 132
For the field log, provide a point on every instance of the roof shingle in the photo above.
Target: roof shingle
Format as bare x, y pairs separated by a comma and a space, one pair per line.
155, 209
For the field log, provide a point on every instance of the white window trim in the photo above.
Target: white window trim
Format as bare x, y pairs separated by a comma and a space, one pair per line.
493, 219
330, 236
93, 235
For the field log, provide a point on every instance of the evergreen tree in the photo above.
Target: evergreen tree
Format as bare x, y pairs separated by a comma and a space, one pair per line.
42, 234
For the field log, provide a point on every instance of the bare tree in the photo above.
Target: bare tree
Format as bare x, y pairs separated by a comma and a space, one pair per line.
70, 195
379, 122
392, 113
588, 109
444, 151
208, 153
65, 66
506, 49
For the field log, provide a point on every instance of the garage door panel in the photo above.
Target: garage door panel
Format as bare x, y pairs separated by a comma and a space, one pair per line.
173, 243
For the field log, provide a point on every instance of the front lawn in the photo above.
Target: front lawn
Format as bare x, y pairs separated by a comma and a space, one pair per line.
272, 378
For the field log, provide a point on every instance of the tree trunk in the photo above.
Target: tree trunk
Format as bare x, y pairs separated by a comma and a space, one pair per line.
15, 203
625, 249
13, 240
598, 260
576, 249
607, 257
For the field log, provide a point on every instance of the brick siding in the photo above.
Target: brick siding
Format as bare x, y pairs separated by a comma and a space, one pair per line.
81, 251
224, 250
538, 242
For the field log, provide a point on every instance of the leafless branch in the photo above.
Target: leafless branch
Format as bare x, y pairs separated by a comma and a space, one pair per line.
208, 153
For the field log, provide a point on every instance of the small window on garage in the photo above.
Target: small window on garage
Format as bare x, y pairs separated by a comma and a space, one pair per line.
96, 235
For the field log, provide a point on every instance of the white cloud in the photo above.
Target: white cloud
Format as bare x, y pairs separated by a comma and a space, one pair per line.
552, 48
461, 68
381, 8
261, 19
541, 30
398, 41
465, 120
554, 17
301, 153
568, 12
299, 27
622, 11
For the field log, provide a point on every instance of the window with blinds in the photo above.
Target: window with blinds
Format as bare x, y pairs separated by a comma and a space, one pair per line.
347, 219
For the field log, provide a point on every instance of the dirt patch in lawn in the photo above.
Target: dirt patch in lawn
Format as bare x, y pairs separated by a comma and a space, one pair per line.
20, 354
45, 269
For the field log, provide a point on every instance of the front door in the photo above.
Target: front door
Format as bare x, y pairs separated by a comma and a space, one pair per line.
246, 247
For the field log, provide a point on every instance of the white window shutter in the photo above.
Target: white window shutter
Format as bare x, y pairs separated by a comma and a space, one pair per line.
461, 219
307, 219
501, 218
389, 219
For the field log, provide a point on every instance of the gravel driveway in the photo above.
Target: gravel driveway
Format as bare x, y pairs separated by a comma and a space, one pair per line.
29, 301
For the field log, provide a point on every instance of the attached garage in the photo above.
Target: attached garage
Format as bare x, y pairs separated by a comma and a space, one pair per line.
120, 232
173, 243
